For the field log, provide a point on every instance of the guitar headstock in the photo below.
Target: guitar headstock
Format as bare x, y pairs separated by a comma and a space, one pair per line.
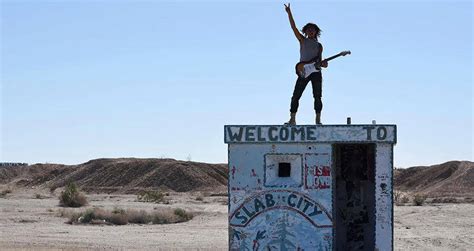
344, 53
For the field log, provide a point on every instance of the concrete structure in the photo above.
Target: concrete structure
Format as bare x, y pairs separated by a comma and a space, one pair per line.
310, 187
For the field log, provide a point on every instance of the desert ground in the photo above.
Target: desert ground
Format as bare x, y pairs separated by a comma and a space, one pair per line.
28, 223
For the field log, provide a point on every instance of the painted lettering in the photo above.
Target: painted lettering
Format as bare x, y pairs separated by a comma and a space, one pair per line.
295, 131
284, 133
322, 171
310, 131
369, 131
307, 204
258, 205
241, 217
269, 200
235, 136
299, 202
315, 211
246, 211
271, 136
250, 133
266, 201
381, 133
259, 134
291, 196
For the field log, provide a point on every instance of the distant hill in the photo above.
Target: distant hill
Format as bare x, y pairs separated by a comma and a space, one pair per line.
129, 175
122, 175
453, 178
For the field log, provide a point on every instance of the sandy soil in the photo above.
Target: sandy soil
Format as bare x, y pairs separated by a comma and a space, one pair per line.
29, 223
434, 227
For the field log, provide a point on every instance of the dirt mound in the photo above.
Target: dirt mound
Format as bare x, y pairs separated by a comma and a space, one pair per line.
130, 175
122, 175
454, 178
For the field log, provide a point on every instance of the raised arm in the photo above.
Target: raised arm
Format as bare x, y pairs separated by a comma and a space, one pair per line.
298, 35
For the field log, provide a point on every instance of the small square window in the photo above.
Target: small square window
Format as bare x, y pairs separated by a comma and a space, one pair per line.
284, 169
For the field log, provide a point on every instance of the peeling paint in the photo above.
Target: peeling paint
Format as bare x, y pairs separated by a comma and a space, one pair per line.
283, 185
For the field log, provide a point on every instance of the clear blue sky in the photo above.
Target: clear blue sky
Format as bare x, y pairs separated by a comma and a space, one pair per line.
90, 79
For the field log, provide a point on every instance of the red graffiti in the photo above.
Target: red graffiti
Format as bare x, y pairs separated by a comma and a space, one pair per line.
322, 171
321, 184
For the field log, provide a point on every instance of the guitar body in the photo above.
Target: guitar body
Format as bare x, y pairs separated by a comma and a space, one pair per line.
305, 68
300, 67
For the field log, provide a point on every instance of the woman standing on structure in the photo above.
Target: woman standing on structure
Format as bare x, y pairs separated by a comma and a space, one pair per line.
310, 50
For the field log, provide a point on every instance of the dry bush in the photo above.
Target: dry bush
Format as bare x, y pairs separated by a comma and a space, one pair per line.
88, 216
5, 192
171, 216
138, 217
183, 215
119, 216
199, 198
468, 200
397, 194
152, 196
71, 197
118, 219
404, 199
445, 200
163, 217
419, 199
400, 198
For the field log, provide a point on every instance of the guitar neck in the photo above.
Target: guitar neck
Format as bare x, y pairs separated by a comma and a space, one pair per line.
333, 57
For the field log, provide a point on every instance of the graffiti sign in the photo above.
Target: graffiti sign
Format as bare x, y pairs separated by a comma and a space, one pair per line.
269, 200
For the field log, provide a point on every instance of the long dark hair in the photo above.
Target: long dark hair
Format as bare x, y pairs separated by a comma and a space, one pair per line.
311, 25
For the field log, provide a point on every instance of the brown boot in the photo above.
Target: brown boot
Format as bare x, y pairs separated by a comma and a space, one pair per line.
292, 120
318, 119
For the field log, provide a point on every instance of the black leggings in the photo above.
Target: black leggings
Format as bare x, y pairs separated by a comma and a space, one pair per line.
301, 83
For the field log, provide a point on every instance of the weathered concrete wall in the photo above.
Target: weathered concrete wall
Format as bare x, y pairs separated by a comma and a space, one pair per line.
268, 211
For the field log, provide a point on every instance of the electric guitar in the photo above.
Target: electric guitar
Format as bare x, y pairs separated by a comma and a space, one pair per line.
305, 68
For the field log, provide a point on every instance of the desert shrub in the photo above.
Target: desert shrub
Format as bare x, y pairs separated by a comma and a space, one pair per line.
138, 217
397, 194
468, 200
404, 199
419, 199
166, 217
119, 216
87, 217
445, 200
436, 200
5, 192
118, 210
183, 215
400, 198
152, 196
199, 198
71, 197
450, 200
